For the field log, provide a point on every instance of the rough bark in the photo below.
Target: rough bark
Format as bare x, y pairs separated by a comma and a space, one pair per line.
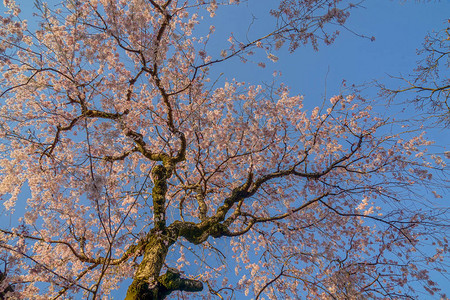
162, 287
148, 284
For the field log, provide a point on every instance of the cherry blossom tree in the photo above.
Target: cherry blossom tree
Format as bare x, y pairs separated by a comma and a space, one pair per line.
130, 160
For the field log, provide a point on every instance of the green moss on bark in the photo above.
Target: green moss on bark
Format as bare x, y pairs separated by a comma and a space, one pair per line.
166, 284
159, 177
139, 290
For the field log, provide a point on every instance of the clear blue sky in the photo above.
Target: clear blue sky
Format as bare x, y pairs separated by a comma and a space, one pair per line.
398, 26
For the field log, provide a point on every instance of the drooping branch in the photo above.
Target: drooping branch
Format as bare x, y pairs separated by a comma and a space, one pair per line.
45, 267
121, 156
254, 219
81, 255
86, 113
270, 282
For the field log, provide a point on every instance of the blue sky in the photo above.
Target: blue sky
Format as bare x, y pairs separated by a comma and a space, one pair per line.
399, 28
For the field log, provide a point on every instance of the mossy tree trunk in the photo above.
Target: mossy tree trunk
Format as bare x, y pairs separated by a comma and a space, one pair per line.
148, 284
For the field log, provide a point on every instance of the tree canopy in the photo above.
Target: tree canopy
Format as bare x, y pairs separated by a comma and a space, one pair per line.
138, 163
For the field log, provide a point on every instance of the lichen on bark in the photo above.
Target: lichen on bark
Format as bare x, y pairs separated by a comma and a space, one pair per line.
148, 284
162, 287
159, 177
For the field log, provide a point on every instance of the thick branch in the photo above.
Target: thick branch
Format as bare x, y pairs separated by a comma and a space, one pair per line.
172, 281
163, 286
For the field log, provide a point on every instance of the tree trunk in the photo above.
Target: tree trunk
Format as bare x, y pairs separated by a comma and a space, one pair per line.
147, 283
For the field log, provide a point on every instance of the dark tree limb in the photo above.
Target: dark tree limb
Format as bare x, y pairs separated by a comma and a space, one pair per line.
7, 289
165, 284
